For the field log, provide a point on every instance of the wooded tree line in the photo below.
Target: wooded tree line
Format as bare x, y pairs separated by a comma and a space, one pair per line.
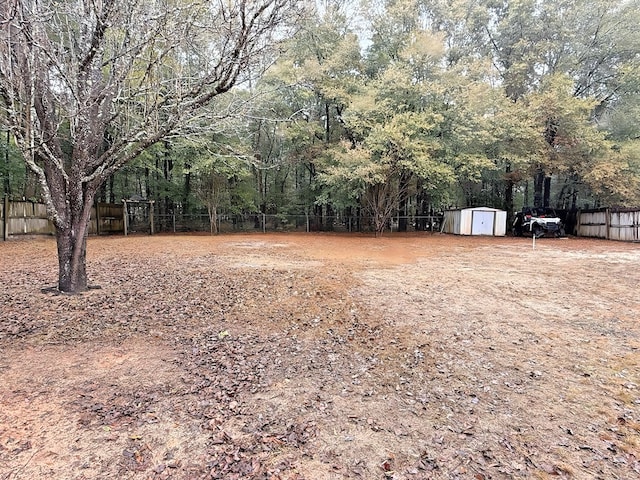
411, 106
376, 108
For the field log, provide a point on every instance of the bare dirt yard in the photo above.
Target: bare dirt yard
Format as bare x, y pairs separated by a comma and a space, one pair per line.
316, 357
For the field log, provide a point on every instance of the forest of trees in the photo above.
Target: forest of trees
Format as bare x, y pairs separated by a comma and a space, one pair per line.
404, 107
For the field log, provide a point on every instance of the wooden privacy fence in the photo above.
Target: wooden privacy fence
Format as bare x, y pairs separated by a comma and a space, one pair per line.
25, 218
30, 218
610, 223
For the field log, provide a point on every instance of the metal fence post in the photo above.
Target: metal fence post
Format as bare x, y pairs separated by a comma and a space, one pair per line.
151, 219
125, 217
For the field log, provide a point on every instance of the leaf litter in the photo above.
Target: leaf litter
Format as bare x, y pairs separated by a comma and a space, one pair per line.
322, 357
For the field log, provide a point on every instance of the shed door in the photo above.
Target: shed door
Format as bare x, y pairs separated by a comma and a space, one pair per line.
482, 222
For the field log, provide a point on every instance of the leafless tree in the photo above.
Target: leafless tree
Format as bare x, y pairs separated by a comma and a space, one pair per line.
90, 84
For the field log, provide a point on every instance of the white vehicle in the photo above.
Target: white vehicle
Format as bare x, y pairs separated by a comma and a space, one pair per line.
538, 222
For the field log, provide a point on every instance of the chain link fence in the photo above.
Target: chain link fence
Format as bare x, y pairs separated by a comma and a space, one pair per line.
175, 223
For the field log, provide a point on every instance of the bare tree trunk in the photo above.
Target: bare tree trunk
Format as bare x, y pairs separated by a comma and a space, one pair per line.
508, 194
186, 208
546, 198
538, 185
72, 241
213, 220
403, 201
72, 267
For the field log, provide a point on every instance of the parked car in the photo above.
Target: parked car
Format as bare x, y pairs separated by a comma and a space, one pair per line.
538, 222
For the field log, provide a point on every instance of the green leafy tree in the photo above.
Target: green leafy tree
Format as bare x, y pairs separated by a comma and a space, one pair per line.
573, 144
381, 171
217, 177
529, 42
315, 82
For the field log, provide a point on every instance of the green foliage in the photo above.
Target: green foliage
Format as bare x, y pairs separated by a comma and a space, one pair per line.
220, 174
344, 176
564, 121
448, 102
14, 178
615, 177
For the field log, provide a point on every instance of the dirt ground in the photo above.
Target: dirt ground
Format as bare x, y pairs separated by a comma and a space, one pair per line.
416, 356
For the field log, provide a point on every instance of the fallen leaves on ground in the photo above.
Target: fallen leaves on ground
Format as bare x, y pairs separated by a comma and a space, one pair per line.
322, 357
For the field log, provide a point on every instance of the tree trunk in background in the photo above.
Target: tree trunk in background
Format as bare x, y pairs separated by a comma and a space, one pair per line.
187, 189
328, 226
403, 202
213, 219
327, 125
148, 191
102, 193
30, 185
422, 200
7, 179
112, 195
546, 198
508, 194
538, 185
167, 167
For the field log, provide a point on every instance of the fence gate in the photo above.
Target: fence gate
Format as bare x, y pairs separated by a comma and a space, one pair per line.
138, 216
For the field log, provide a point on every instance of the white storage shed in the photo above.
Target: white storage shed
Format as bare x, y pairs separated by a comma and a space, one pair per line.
475, 221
